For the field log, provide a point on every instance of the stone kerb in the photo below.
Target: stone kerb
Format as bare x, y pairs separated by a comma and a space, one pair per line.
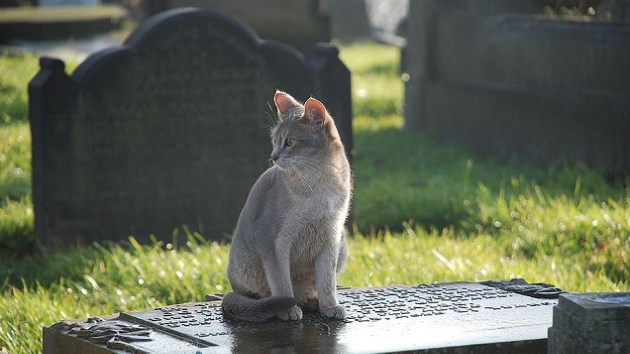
168, 129
590, 323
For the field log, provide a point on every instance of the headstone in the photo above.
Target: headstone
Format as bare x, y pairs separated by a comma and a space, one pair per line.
437, 318
349, 19
501, 78
169, 129
298, 23
359, 19
590, 323
386, 18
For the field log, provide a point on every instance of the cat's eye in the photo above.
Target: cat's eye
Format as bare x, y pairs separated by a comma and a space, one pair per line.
290, 142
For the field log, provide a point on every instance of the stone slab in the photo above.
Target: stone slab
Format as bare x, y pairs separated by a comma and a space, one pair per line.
597, 306
438, 318
583, 328
590, 323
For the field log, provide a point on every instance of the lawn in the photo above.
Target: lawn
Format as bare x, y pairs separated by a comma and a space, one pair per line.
424, 212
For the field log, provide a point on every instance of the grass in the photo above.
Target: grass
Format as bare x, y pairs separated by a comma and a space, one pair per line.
425, 212
16, 212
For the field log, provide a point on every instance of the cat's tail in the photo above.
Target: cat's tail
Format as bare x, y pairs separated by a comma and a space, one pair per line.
255, 310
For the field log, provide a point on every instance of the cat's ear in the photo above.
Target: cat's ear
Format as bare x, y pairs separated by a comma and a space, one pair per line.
315, 112
284, 102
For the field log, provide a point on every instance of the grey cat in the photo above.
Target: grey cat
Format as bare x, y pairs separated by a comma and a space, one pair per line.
289, 244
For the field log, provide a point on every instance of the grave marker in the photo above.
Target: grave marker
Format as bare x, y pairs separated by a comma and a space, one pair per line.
503, 79
437, 318
590, 323
168, 129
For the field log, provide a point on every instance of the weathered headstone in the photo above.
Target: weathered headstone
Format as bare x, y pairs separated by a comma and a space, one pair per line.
349, 19
169, 129
360, 19
591, 323
438, 318
501, 78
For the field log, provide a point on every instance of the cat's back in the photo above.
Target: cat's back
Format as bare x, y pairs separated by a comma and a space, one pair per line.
261, 210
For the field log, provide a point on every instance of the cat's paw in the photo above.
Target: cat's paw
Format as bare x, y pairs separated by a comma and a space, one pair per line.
293, 314
334, 312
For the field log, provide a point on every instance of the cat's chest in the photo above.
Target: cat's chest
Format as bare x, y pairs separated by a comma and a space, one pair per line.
322, 196
322, 204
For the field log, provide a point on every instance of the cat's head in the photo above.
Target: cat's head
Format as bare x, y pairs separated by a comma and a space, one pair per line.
305, 134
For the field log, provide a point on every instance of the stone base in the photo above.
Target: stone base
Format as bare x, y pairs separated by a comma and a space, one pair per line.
438, 318
590, 323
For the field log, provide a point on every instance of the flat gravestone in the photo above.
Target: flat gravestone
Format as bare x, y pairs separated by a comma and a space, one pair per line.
439, 318
169, 129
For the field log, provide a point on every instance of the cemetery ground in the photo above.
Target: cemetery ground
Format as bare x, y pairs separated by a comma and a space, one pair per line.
424, 212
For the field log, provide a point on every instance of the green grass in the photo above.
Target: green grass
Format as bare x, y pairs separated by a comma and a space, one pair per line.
425, 212
16, 212
15, 72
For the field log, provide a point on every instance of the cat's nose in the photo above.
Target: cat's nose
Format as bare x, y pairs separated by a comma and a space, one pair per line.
274, 157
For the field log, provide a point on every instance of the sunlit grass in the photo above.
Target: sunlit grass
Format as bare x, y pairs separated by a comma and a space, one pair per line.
101, 280
16, 212
376, 90
15, 72
416, 256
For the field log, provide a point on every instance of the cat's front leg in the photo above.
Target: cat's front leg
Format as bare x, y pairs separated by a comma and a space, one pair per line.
305, 292
326, 282
278, 274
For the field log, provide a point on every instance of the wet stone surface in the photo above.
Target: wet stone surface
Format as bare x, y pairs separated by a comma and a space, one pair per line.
390, 319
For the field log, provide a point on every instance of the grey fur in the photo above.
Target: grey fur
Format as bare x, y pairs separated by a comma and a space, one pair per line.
289, 241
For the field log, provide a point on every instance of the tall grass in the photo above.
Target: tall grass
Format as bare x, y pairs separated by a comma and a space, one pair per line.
425, 212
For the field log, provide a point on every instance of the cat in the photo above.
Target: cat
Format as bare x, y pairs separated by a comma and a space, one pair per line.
289, 244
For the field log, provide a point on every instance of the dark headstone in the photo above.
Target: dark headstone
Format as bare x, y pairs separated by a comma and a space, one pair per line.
590, 323
438, 318
501, 78
169, 129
